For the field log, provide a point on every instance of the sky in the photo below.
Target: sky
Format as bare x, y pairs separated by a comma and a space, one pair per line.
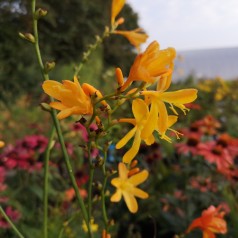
189, 24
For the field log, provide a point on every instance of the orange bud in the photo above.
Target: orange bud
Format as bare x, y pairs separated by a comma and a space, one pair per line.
134, 163
119, 76
133, 171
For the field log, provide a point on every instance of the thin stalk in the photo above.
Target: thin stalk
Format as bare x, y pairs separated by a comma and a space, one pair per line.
104, 211
37, 47
71, 173
91, 174
57, 125
18, 233
91, 49
46, 183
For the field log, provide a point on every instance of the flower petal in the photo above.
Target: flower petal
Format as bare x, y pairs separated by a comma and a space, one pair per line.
163, 118
130, 202
64, 113
139, 178
139, 193
123, 171
180, 97
139, 109
150, 140
126, 138
116, 182
117, 5
52, 88
58, 105
151, 123
116, 197
131, 153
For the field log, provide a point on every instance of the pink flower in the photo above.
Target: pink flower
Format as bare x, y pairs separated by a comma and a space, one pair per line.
14, 215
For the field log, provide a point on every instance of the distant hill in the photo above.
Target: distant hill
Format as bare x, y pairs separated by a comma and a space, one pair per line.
210, 63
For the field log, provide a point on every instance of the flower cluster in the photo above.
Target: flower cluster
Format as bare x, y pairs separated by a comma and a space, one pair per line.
204, 140
25, 154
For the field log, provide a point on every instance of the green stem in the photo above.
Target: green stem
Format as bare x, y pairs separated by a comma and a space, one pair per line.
70, 171
46, 183
91, 174
104, 211
37, 47
57, 125
91, 48
10, 222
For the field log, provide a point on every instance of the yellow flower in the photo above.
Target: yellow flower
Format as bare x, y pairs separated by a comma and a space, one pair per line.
151, 65
158, 100
72, 98
2, 143
141, 112
126, 187
117, 5
94, 227
136, 37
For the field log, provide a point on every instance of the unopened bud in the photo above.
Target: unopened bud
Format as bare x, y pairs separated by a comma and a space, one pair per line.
98, 185
49, 66
111, 172
40, 13
27, 36
99, 161
120, 21
45, 107
133, 172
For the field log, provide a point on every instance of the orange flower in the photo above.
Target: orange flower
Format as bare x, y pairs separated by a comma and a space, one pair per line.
2, 143
136, 37
210, 222
151, 65
117, 5
73, 99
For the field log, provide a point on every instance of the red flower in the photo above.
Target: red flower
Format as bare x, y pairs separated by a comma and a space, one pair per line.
216, 154
211, 222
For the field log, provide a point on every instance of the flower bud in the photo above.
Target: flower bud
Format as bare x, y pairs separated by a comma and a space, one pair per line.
99, 161
27, 36
49, 66
45, 107
40, 13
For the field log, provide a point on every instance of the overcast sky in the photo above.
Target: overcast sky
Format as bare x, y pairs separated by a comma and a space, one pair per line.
189, 24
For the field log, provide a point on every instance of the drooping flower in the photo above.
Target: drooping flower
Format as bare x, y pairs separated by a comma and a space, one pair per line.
158, 98
127, 187
117, 5
72, 98
151, 65
211, 222
141, 113
135, 37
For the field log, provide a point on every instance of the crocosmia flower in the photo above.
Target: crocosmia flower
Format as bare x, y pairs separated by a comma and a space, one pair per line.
126, 187
158, 100
211, 222
151, 65
135, 37
141, 114
117, 5
72, 98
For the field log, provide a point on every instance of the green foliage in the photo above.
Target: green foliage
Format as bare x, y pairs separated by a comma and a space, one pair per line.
64, 34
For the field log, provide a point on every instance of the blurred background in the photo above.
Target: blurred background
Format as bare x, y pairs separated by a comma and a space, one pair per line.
181, 184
